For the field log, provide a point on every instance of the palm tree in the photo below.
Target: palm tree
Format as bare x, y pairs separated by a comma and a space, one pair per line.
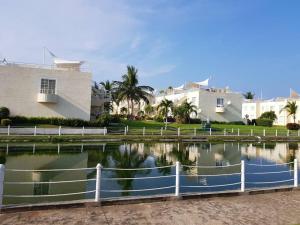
108, 87
149, 109
249, 95
183, 112
123, 110
164, 107
291, 108
128, 89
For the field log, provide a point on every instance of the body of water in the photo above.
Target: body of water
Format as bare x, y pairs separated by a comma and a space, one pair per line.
203, 164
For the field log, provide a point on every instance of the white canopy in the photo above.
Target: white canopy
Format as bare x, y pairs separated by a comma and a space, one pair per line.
58, 61
179, 88
203, 83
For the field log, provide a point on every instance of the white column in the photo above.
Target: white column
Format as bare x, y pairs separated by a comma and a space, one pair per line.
178, 131
2, 172
59, 130
98, 183
295, 173
82, 131
177, 182
144, 131
242, 176
34, 133
8, 130
209, 131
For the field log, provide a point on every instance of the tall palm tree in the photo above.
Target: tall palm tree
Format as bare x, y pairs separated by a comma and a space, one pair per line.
249, 95
109, 87
164, 107
129, 90
291, 108
149, 109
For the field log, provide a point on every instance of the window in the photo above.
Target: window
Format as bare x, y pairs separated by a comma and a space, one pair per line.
48, 86
220, 102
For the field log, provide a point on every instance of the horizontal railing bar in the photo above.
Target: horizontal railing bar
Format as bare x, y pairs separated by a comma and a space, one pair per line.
41, 196
50, 170
238, 164
270, 182
211, 175
260, 173
50, 182
149, 168
279, 164
211, 186
149, 189
136, 178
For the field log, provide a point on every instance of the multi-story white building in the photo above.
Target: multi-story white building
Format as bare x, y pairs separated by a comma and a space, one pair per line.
60, 90
214, 104
254, 108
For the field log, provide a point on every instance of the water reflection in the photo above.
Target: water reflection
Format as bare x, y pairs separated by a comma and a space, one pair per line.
136, 155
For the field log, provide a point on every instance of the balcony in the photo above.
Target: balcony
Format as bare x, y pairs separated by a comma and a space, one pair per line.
47, 98
220, 109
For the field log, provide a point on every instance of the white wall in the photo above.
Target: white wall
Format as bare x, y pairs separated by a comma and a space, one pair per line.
19, 87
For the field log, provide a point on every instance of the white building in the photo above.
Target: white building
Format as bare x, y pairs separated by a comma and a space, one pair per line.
254, 108
215, 104
60, 90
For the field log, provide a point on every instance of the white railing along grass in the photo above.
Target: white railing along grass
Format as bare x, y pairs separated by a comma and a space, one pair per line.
173, 185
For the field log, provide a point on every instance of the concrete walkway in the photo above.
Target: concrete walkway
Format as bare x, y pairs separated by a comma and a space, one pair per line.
272, 208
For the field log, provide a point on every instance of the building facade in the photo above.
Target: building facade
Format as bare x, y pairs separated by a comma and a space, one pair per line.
214, 104
60, 90
254, 108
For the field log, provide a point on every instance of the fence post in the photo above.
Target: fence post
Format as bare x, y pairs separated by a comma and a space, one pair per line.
8, 130
238, 131
242, 176
276, 133
98, 183
195, 131
178, 131
2, 172
82, 131
144, 131
209, 131
225, 132
125, 131
298, 133
264, 132
177, 182
34, 131
251, 134
59, 130
295, 173
232, 130
288, 133
161, 131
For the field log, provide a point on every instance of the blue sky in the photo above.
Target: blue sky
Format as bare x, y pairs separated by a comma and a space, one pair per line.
246, 45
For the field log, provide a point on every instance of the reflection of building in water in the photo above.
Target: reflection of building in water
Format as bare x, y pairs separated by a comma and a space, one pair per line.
39, 162
278, 153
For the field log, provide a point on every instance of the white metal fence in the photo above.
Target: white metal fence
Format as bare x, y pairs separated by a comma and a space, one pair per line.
173, 185
50, 131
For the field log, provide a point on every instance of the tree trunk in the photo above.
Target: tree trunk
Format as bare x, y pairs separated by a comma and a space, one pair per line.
128, 107
131, 107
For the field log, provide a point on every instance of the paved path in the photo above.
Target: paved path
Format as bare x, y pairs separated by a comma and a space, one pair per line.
273, 208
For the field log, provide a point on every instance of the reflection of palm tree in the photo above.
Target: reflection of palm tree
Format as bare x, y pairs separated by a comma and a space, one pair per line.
162, 161
183, 156
128, 159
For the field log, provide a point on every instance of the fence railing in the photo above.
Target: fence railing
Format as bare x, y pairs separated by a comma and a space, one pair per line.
51, 131
176, 185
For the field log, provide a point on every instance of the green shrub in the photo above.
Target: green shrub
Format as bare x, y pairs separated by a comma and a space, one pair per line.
195, 120
293, 126
4, 112
5, 122
264, 122
158, 118
269, 115
104, 119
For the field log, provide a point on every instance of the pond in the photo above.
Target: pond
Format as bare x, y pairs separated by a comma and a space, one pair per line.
204, 165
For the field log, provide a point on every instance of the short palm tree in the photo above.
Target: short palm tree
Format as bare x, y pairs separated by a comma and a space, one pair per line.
291, 108
183, 112
129, 90
249, 95
164, 107
149, 109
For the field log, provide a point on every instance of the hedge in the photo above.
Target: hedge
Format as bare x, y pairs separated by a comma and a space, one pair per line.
264, 122
293, 126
